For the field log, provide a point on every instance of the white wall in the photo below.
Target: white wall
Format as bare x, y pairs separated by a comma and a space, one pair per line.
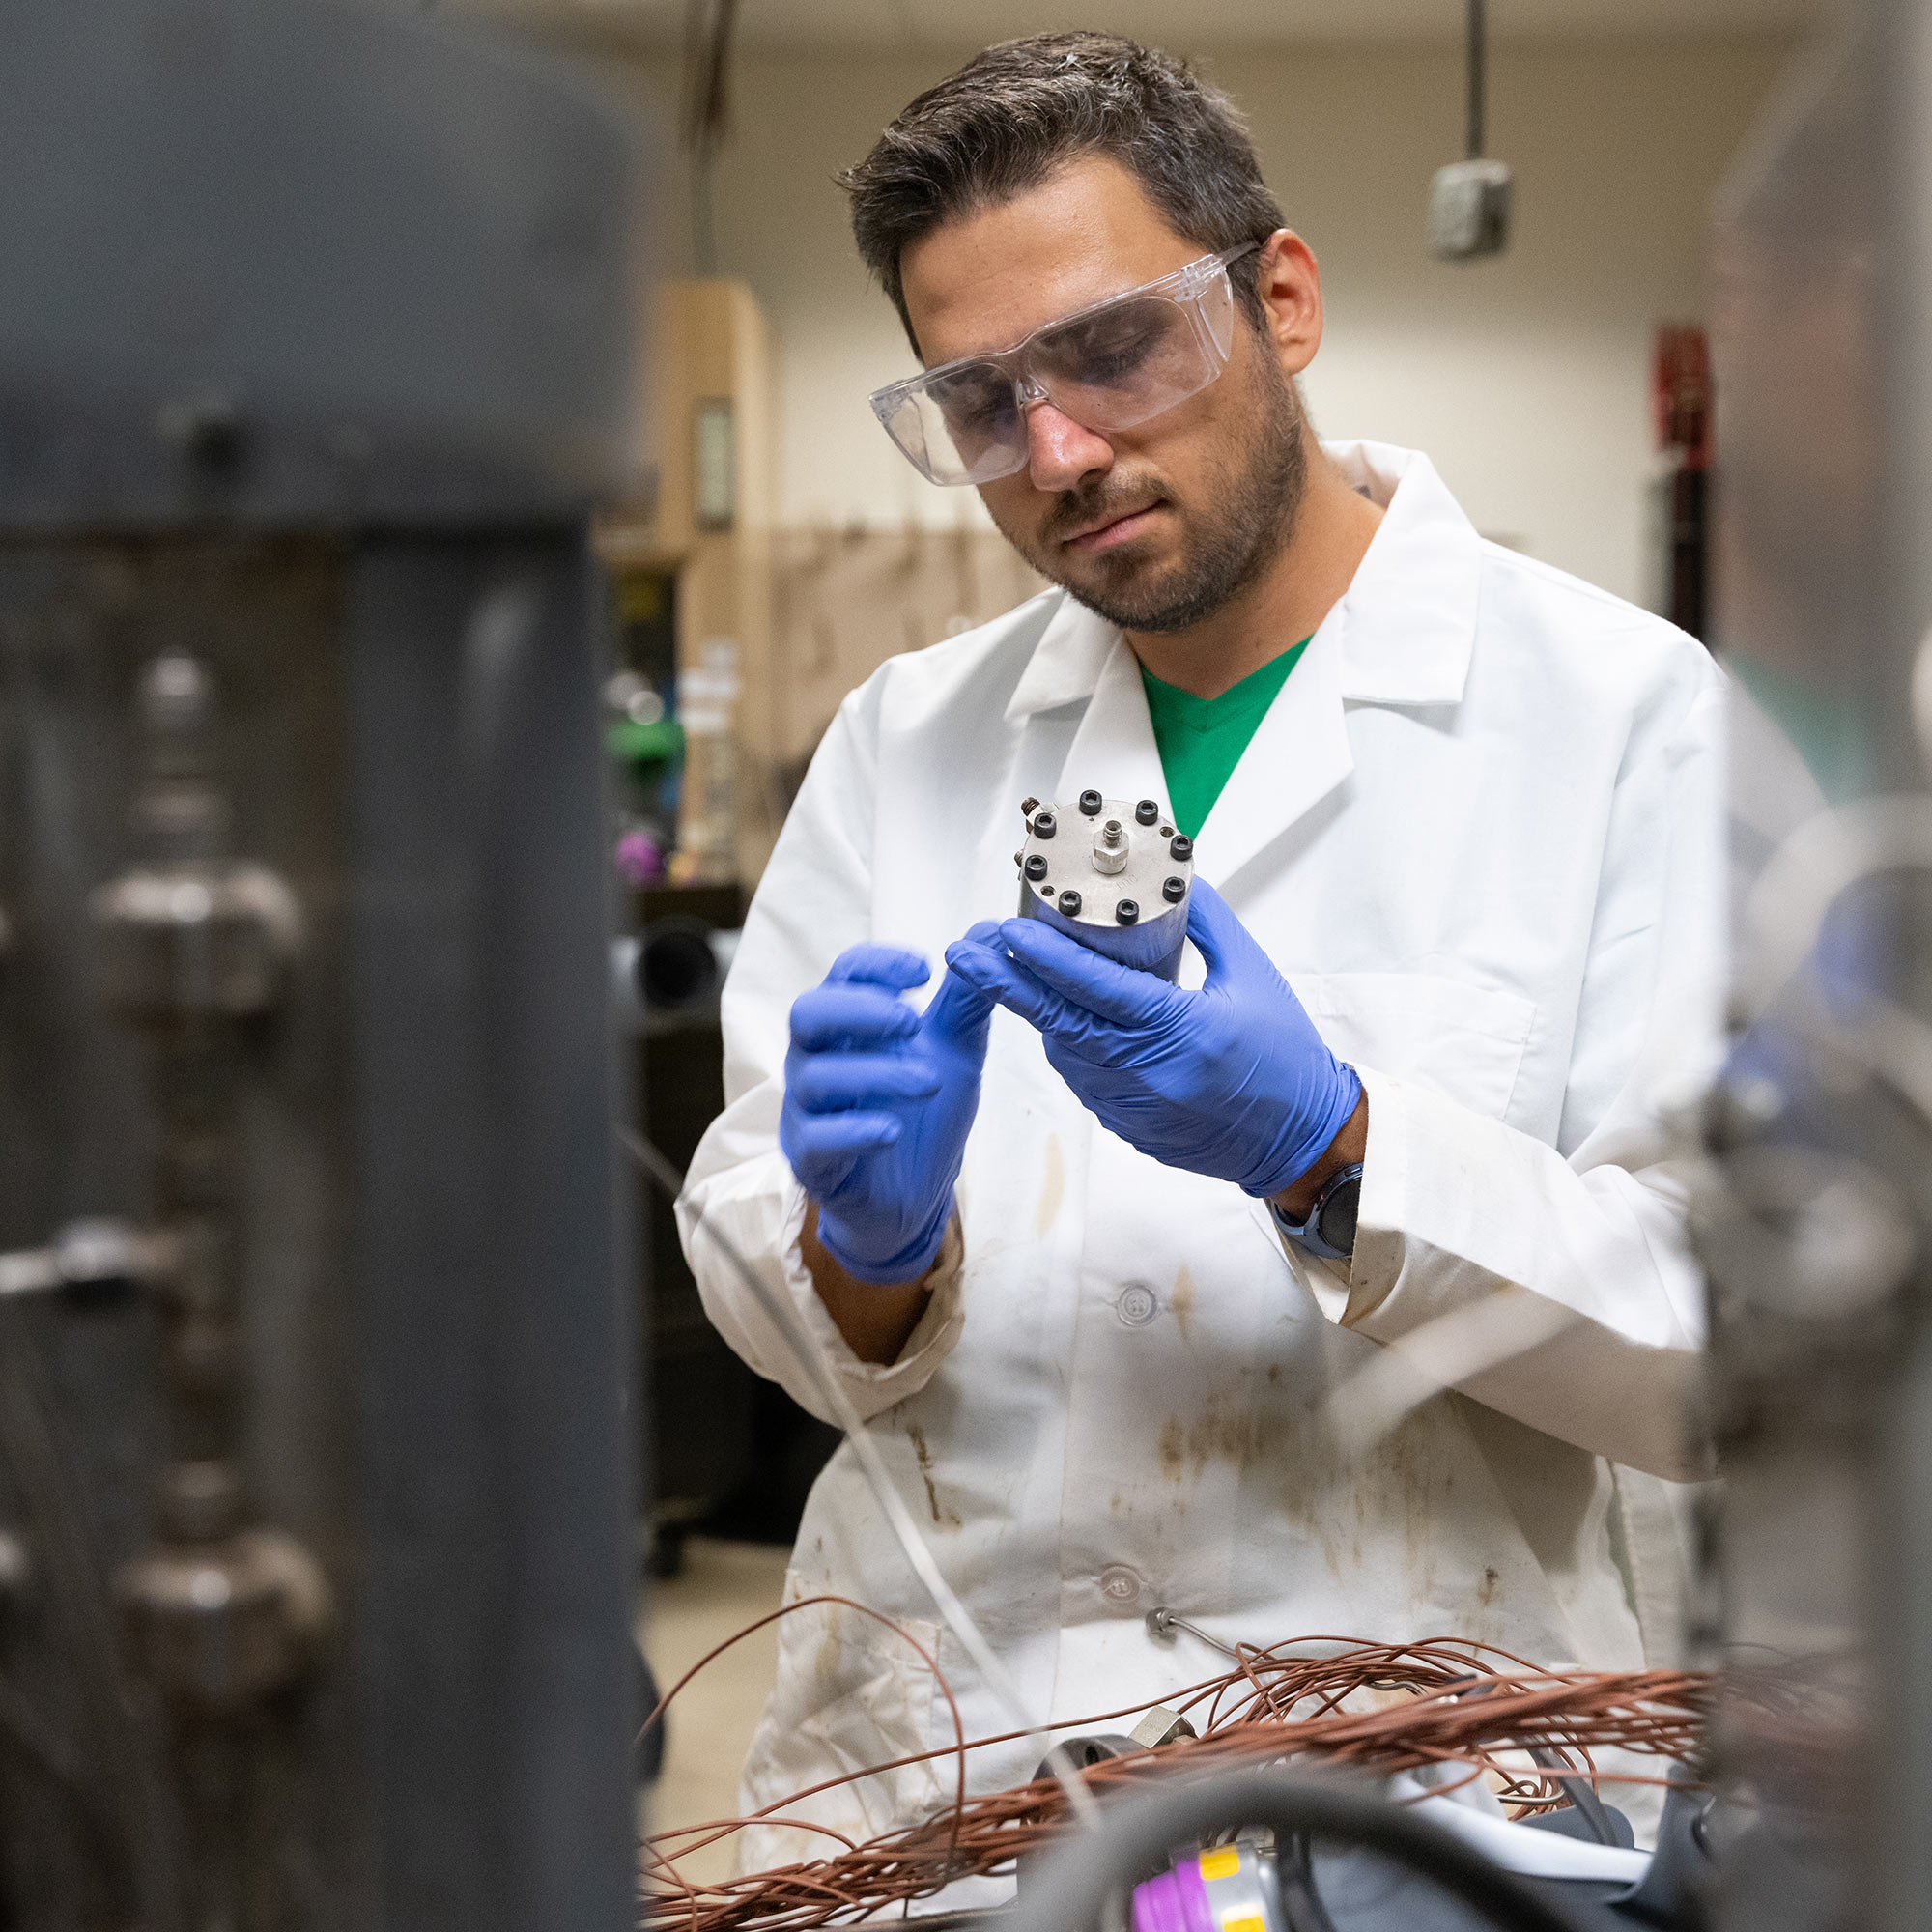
1526, 379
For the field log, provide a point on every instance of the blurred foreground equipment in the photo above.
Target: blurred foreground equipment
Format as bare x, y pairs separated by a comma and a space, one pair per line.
316, 342
1815, 1231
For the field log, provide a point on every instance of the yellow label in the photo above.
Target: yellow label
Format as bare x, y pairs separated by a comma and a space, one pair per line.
1243, 1922
1223, 1862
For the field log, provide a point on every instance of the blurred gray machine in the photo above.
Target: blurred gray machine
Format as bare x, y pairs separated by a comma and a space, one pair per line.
1820, 1550
316, 333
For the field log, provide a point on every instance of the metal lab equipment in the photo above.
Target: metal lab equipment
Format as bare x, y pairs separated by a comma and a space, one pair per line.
1113, 873
1814, 1224
314, 352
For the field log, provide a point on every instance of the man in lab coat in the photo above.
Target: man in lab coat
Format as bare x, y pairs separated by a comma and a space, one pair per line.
1342, 1290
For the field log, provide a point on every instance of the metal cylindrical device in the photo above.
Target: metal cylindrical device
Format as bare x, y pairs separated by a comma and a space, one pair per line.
1228, 1888
1114, 874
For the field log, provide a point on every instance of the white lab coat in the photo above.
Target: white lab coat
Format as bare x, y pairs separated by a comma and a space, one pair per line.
1480, 832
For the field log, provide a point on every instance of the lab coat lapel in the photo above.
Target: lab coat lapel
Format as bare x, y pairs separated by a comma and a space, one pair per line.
1298, 755
1065, 664
1080, 655
1114, 753
1411, 608
1401, 635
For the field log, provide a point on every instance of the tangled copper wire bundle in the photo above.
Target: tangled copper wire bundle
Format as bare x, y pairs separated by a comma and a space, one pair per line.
1443, 1701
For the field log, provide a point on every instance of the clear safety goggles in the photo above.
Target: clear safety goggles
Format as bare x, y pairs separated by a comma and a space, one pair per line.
1107, 367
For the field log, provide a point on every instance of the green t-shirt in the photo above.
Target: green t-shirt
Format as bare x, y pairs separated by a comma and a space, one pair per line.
1202, 739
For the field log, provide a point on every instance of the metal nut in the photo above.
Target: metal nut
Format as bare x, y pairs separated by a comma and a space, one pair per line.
195, 940
215, 1629
1160, 1726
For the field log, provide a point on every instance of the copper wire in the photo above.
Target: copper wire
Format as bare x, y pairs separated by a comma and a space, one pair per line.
959, 1748
1461, 1703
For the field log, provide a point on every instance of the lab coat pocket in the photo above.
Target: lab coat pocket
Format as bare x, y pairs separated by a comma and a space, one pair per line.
850, 1692
1466, 1043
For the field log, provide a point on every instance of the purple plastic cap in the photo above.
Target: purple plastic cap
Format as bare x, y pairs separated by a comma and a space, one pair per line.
1176, 1901
639, 859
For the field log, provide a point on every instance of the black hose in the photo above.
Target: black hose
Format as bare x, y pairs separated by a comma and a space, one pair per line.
1301, 1906
1073, 1885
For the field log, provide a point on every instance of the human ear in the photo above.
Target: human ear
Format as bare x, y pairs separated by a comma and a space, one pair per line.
1290, 291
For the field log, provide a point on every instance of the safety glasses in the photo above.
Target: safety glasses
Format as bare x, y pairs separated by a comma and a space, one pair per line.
1108, 367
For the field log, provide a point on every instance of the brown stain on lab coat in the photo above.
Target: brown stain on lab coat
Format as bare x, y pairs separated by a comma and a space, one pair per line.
1173, 1449
1052, 1187
1223, 1432
1183, 1302
948, 1517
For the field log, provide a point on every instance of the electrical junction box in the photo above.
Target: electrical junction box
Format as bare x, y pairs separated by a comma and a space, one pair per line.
1470, 209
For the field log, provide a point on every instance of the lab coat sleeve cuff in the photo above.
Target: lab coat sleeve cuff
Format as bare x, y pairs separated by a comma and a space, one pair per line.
1546, 1294
1382, 1211
875, 1386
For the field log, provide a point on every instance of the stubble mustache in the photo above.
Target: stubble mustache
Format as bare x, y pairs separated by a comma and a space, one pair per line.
1106, 504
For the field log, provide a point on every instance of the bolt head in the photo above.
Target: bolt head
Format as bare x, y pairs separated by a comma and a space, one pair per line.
1044, 825
1090, 804
1146, 812
1174, 891
1069, 903
1036, 867
1183, 846
1126, 912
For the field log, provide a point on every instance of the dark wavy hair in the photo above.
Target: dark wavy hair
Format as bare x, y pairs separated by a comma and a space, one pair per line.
1018, 110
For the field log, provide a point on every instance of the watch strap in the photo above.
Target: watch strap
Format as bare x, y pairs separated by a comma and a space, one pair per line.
1324, 1230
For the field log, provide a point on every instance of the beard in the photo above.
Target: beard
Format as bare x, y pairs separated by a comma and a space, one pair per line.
1229, 543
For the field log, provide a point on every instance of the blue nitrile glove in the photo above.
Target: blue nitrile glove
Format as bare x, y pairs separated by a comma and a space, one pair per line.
1231, 1081
878, 1102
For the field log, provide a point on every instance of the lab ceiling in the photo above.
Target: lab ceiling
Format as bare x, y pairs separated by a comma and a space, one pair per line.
881, 24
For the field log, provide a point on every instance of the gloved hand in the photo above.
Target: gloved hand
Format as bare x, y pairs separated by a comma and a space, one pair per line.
878, 1102
1231, 1081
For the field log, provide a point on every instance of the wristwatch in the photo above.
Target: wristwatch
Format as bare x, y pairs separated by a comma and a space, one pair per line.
1330, 1228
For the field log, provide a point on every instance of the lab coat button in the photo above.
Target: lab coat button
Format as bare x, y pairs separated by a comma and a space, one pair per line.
1118, 1584
1136, 1305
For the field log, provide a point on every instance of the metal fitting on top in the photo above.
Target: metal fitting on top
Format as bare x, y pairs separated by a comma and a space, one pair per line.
1110, 847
